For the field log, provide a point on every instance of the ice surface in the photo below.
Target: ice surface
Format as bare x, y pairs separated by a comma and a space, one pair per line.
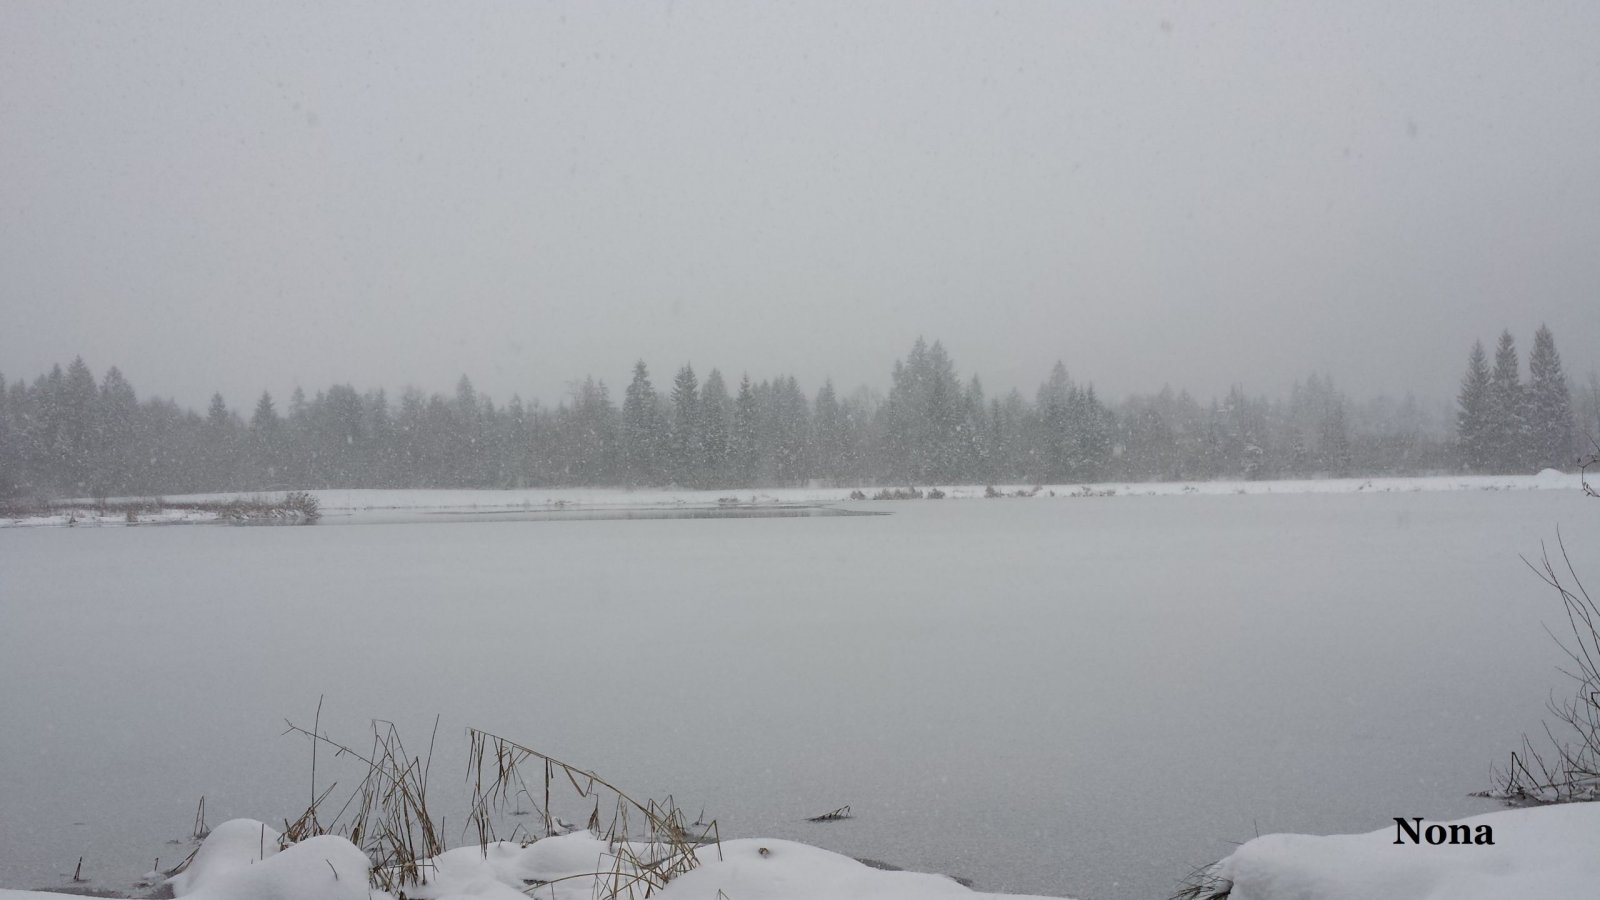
1080, 697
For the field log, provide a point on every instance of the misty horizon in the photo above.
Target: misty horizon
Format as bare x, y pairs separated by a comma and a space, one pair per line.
553, 396
1199, 197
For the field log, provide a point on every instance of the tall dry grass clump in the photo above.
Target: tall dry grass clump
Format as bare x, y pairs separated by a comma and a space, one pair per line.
651, 842
387, 815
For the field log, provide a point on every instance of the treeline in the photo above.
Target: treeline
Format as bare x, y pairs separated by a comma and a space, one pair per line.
67, 433
1505, 425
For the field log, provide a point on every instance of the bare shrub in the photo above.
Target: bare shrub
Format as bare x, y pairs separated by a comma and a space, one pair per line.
1568, 770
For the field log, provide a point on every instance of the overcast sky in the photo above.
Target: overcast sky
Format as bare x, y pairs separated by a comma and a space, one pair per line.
237, 197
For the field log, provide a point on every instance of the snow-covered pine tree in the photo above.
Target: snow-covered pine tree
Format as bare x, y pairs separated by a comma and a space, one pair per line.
790, 421
744, 440
1549, 405
828, 434
10, 458
1096, 432
1475, 433
1507, 408
944, 419
714, 414
380, 465
1054, 421
116, 457
264, 442
589, 437
977, 452
1335, 442
641, 429
684, 457
905, 416
221, 446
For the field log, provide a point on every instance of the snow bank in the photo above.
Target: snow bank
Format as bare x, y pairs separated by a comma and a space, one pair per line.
615, 498
240, 861
1544, 853
357, 501
559, 868
92, 519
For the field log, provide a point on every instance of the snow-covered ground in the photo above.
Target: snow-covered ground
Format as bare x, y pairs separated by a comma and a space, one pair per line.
355, 502
89, 518
1548, 853
351, 501
241, 860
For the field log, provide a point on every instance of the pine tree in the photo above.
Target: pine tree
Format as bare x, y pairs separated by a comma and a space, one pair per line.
1240, 439
116, 454
265, 442
1588, 411
589, 440
714, 429
265, 418
221, 447
381, 462
1475, 434
516, 443
744, 441
684, 457
1507, 412
1095, 437
943, 418
1335, 440
906, 421
788, 427
828, 435
977, 440
468, 454
10, 461
1055, 439
76, 425
1549, 405
641, 429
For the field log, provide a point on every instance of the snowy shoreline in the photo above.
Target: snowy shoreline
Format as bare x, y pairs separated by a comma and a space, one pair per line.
556, 500
1542, 853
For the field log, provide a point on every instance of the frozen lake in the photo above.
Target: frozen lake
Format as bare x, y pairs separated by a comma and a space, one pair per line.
1084, 696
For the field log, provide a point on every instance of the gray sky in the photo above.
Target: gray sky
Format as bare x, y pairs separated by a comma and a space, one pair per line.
238, 197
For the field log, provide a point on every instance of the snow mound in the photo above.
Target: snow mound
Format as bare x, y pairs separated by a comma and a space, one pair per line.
235, 844
503, 869
240, 860
1544, 853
